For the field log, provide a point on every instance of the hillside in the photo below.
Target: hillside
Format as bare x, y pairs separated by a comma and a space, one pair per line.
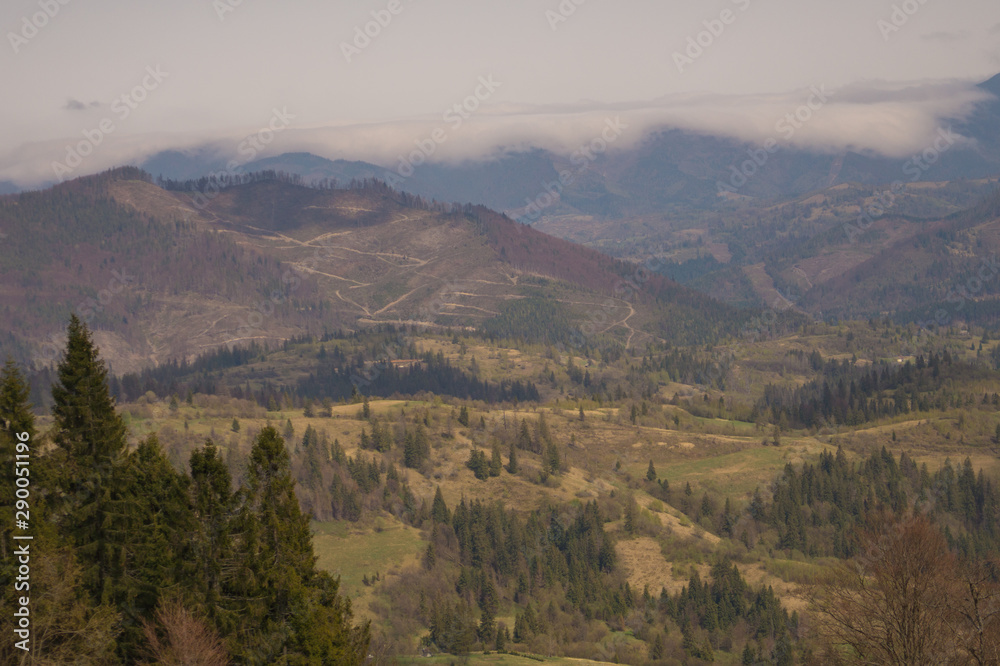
631, 511
164, 274
920, 270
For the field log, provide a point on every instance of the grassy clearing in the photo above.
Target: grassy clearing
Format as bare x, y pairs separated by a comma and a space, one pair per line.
353, 554
736, 473
801, 573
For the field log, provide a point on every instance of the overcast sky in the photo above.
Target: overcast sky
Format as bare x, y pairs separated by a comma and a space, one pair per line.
559, 71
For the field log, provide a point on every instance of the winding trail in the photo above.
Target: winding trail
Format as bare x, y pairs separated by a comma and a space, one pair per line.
357, 305
378, 312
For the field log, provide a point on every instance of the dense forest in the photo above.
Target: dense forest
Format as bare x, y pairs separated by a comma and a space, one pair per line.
816, 508
186, 523
132, 560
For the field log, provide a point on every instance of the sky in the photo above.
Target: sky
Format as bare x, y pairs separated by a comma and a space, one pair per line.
89, 85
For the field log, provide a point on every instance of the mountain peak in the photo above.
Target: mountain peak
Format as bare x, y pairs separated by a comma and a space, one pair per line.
992, 85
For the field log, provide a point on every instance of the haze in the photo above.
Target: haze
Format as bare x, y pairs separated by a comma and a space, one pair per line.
561, 71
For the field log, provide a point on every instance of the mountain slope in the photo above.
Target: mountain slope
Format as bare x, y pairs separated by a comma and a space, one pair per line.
939, 270
165, 274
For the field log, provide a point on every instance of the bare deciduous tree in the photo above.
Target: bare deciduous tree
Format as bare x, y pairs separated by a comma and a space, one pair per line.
894, 603
976, 613
178, 637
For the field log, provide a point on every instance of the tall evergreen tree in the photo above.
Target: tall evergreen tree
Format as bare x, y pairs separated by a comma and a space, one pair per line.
290, 612
149, 523
512, 459
553, 461
214, 504
275, 558
90, 437
439, 510
496, 463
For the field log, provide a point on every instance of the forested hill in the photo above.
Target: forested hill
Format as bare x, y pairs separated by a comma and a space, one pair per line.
171, 270
143, 281
945, 269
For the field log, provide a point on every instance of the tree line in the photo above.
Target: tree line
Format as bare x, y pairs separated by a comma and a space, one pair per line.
133, 560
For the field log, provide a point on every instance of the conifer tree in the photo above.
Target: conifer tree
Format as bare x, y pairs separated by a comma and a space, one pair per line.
275, 556
287, 606
651, 472
213, 503
512, 459
90, 437
439, 510
553, 461
149, 525
496, 463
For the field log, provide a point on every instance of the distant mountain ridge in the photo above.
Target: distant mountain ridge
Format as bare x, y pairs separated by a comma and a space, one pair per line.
671, 170
164, 274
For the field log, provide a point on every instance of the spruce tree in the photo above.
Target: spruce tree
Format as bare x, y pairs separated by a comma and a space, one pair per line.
288, 608
496, 463
512, 459
90, 437
148, 521
213, 503
439, 510
553, 460
276, 558
651, 472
